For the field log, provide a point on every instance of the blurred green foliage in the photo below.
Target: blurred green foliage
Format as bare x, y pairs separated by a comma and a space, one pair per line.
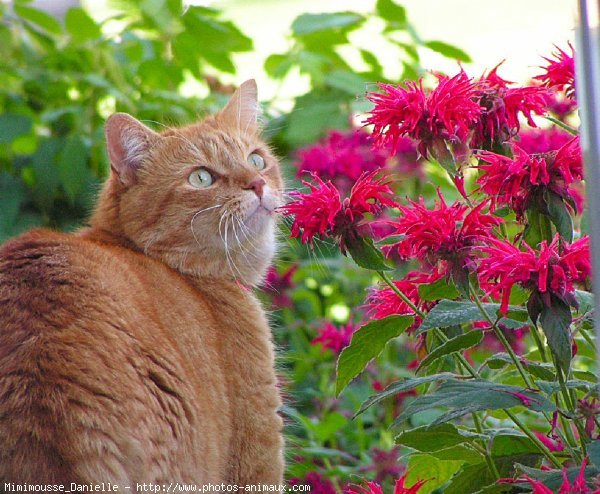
60, 80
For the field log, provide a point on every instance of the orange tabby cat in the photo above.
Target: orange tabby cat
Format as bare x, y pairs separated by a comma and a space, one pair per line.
133, 351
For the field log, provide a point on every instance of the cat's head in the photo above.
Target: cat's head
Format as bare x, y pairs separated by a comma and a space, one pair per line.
201, 198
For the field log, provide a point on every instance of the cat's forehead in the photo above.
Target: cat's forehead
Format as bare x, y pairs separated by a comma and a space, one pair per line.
215, 145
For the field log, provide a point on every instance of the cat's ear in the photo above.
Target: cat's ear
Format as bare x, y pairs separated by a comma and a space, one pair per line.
242, 110
127, 142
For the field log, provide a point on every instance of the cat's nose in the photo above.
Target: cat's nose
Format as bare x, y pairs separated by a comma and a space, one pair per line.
257, 185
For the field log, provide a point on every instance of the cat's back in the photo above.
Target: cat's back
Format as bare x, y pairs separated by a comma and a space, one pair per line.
90, 349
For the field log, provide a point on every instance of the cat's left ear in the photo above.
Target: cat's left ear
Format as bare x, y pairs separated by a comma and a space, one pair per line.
127, 142
243, 109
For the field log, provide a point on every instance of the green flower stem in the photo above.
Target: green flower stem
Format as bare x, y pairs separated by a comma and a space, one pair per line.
586, 337
461, 358
547, 453
486, 454
502, 338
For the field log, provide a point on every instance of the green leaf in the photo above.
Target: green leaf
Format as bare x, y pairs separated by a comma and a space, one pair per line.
391, 11
404, 385
72, 167
438, 290
277, 66
585, 300
555, 321
326, 429
39, 18
428, 439
367, 343
449, 51
437, 472
365, 254
13, 125
559, 215
346, 81
593, 450
467, 396
451, 313
553, 479
469, 479
312, 115
45, 172
539, 370
311, 23
513, 444
456, 344
81, 26
12, 196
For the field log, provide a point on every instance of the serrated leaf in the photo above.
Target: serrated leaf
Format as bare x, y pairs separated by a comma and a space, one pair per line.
428, 439
555, 321
367, 343
438, 290
593, 450
449, 51
585, 300
311, 23
559, 215
451, 313
404, 385
469, 479
537, 369
365, 254
466, 396
456, 344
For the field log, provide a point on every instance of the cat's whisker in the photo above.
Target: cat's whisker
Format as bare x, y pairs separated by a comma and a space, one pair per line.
225, 244
227, 253
195, 216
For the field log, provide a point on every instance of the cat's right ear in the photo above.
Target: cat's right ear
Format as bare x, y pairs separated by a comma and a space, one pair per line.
127, 142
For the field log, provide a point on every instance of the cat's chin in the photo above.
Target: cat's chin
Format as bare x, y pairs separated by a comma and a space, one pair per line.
259, 219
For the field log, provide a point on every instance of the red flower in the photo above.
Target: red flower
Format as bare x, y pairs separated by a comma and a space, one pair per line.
502, 105
385, 464
520, 181
447, 112
277, 284
314, 213
334, 338
445, 233
318, 484
551, 443
579, 485
560, 71
383, 301
342, 157
374, 488
321, 211
548, 271
537, 141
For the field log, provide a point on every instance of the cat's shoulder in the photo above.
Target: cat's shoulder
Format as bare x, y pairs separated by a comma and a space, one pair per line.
42, 251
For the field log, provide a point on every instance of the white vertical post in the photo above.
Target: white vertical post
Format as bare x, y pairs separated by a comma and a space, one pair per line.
587, 65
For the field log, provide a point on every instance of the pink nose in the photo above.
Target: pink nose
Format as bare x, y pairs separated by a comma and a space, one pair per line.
257, 185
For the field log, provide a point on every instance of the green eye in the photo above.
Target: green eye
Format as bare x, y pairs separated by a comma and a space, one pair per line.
257, 161
201, 178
